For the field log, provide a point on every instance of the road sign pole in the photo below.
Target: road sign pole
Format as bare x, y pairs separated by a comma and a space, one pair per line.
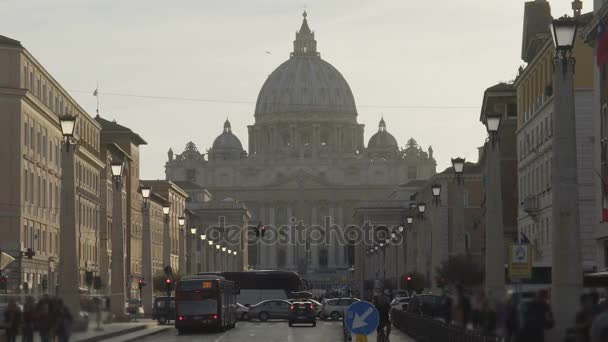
361, 338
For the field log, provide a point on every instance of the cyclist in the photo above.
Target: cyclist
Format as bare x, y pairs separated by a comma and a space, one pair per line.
383, 305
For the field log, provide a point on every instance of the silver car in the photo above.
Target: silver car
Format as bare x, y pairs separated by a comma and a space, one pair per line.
334, 308
269, 309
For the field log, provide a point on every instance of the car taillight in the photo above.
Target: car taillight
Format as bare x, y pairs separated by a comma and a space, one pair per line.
215, 316
291, 308
181, 318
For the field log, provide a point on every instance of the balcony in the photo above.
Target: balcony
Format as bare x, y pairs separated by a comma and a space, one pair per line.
531, 205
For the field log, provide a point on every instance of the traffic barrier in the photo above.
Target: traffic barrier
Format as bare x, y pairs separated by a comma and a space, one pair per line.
426, 329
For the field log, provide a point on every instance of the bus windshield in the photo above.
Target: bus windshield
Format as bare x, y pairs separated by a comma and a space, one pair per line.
199, 307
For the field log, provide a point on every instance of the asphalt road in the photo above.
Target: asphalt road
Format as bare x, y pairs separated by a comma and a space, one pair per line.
273, 331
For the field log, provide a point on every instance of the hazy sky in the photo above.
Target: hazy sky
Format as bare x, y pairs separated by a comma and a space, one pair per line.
407, 53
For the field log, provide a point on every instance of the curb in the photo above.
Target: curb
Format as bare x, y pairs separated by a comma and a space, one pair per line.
102, 337
146, 334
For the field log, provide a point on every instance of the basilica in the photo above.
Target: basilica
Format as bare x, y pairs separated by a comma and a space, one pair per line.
306, 161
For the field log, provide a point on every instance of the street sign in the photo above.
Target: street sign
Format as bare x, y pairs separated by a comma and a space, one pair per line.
362, 318
5, 260
520, 261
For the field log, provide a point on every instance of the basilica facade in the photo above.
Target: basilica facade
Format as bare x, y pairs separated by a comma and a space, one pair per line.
306, 162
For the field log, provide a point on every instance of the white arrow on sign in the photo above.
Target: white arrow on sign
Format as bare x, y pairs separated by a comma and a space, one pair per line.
359, 321
5, 259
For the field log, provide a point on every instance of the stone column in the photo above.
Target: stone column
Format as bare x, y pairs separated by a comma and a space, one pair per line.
316, 140
118, 296
458, 222
341, 258
566, 273
167, 243
147, 273
314, 247
494, 265
291, 249
272, 248
332, 246
68, 253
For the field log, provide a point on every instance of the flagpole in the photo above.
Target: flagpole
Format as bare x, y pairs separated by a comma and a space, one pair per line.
97, 96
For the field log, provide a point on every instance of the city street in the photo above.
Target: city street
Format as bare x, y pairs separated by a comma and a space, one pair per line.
276, 331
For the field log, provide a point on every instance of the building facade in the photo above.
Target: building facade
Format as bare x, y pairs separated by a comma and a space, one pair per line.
535, 108
307, 162
31, 101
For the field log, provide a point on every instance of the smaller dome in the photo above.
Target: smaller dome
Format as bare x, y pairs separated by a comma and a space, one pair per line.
382, 139
227, 140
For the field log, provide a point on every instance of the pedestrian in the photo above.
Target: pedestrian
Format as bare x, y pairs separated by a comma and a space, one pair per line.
534, 318
43, 318
462, 308
12, 320
65, 320
584, 318
488, 318
511, 318
29, 318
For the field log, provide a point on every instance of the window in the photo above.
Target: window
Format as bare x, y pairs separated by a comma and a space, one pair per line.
26, 189
26, 130
512, 109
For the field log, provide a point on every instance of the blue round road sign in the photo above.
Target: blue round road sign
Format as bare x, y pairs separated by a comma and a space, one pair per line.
362, 318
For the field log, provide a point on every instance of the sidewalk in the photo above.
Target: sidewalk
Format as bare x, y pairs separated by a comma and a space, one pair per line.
127, 331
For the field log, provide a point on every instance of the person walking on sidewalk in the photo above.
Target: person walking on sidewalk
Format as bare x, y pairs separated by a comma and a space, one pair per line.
43, 318
29, 318
12, 321
65, 320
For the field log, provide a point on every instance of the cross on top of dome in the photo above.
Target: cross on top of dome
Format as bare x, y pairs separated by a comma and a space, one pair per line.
305, 43
227, 128
382, 125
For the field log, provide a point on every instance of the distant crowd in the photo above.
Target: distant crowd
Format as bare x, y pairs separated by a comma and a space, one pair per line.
48, 317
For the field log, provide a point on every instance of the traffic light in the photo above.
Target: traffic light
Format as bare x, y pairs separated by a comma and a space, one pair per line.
409, 280
257, 230
141, 283
169, 283
3, 282
263, 230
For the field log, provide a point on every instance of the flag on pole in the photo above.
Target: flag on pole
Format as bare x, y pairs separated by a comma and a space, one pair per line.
96, 92
602, 44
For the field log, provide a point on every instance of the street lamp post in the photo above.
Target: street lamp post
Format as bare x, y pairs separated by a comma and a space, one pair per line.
118, 270
167, 234
146, 252
68, 257
210, 263
566, 273
192, 251
203, 238
458, 165
494, 254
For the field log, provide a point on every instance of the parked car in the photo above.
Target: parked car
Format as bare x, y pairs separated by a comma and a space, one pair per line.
334, 308
302, 312
159, 311
425, 304
400, 303
268, 309
242, 312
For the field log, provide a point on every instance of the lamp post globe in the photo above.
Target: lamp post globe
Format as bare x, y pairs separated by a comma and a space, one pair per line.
181, 221
563, 32
409, 219
193, 231
67, 123
145, 192
204, 236
436, 189
421, 207
116, 168
210, 242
